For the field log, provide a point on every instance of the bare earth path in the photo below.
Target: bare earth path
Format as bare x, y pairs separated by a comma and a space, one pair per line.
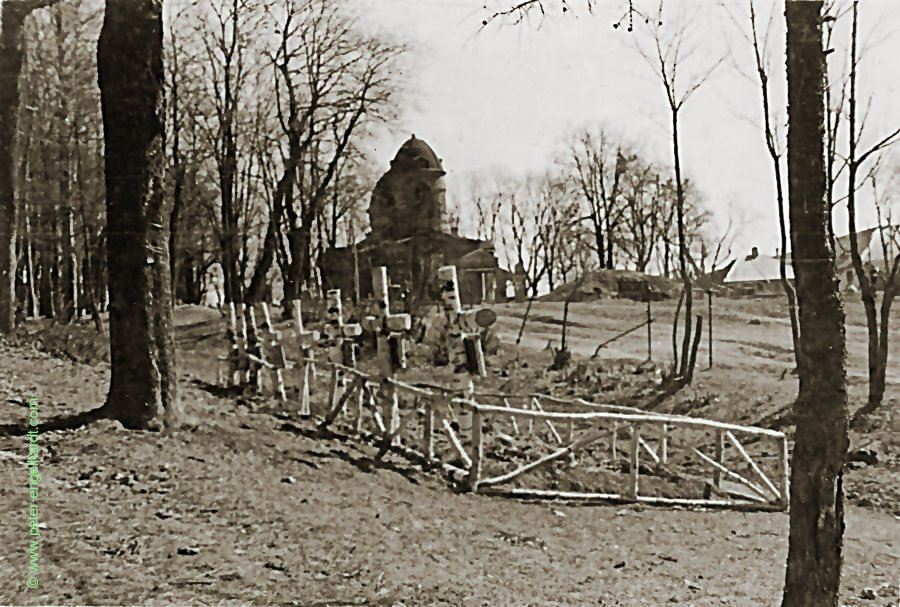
248, 507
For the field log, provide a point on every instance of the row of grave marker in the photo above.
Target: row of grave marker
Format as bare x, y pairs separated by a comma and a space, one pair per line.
253, 350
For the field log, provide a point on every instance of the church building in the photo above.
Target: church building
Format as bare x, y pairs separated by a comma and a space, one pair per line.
410, 234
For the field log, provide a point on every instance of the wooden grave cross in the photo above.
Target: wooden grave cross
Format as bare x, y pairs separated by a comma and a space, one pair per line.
273, 352
304, 341
390, 331
463, 328
341, 338
236, 360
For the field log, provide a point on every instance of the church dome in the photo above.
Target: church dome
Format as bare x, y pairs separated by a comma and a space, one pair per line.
415, 153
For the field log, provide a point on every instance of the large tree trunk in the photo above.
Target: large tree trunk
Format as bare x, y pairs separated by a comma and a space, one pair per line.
11, 16
259, 281
298, 269
142, 391
601, 245
229, 221
816, 508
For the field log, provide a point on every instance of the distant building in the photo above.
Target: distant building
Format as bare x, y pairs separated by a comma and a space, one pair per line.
411, 234
757, 271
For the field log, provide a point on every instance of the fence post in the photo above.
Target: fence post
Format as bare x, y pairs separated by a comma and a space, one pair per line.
395, 413
720, 452
664, 444
477, 451
333, 388
649, 331
306, 340
254, 347
391, 409
428, 431
360, 405
244, 374
634, 462
709, 327
784, 473
234, 351
615, 441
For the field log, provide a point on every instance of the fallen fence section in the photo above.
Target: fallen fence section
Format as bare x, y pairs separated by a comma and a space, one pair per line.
542, 447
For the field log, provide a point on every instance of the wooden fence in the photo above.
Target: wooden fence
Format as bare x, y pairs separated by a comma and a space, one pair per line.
528, 446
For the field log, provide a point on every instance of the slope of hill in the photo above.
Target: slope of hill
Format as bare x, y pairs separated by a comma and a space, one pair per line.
605, 283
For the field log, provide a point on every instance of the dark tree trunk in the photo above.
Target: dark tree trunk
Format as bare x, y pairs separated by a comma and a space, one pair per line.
666, 257
11, 18
189, 283
609, 240
298, 270
68, 264
45, 290
816, 508
143, 390
259, 281
683, 370
867, 284
878, 370
284, 214
229, 221
775, 156
177, 176
598, 239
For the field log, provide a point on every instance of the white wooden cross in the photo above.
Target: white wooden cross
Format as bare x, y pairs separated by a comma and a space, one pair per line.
273, 352
304, 341
463, 328
390, 332
236, 361
390, 329
341, 338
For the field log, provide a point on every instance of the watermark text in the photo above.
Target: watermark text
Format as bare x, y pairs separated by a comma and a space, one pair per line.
34, 480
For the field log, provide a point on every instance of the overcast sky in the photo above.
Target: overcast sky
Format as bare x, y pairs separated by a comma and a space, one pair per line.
507, 97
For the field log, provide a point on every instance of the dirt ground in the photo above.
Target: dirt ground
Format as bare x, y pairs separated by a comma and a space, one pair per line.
248, 505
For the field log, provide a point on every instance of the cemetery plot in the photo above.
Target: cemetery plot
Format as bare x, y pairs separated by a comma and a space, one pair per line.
539, 446
517, 445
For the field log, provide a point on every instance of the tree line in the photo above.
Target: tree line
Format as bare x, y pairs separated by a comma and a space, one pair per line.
264, 106
600, 205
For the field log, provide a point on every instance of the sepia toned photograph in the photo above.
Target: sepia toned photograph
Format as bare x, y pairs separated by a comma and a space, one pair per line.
472, 303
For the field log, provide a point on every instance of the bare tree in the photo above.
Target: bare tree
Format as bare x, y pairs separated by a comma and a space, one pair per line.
599, 168
226, 37
759, 41
648, 206
876, 330
520, 239
665, 60
331, 81
816, 508
887, 278
558, 214
487, 198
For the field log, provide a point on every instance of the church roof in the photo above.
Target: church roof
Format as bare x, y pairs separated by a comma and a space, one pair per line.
415, 151
478, 259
